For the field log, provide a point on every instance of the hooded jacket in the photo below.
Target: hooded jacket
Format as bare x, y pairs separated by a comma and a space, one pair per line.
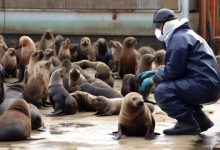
189, 57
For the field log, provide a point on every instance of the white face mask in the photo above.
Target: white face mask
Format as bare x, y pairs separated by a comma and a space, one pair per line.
158, 34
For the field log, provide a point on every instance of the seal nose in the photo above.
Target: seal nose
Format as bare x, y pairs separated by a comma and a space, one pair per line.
140, 103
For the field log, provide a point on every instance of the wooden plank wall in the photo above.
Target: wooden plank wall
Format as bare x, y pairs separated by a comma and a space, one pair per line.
90, 4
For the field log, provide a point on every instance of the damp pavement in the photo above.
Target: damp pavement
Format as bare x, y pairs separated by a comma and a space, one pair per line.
84, 131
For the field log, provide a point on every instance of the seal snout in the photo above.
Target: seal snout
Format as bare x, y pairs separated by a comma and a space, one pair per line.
48, 34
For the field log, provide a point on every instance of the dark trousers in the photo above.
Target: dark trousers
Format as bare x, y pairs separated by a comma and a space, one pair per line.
180, 98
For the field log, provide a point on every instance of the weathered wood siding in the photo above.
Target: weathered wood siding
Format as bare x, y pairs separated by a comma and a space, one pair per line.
90, 4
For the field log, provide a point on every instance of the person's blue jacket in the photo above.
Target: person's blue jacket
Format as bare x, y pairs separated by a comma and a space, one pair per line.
189, 57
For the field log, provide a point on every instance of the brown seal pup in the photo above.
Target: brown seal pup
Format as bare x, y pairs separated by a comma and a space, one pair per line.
135, 119
48, 53
14, 92
28, 47
146, 63
9, 62
15, 123
36, 89
115, 47
159, 59
36, 119
100, 91
58, 41
84, 100
128, 62
64, 52
146, 50
75, 79
60, 98
111, 106
3, 48
36, 56
107, 106
74, 48
47, 41
129, 84
103, 71
85, 50
103, 52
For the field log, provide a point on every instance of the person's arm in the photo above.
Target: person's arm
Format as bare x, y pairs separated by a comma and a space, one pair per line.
177, 54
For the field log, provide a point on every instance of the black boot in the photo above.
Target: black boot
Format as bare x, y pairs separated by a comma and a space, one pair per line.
184, 126
202, 119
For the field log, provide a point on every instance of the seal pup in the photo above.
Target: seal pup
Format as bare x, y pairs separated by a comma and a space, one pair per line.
85, 50
14, 92
159, 59
3, 48
103, 72
62, 102
74, 48
36, 88
115, 47
58, 41
84, 100
111, 106
107, 106
15, 123
100, 91
47, 41
103, 52
146, 50
146, 63
36, 56
9, 62
128, 61
134, 118
129, 84
64, 52
28, 47
75, 79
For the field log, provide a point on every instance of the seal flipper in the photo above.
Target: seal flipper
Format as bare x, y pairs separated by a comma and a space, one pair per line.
54, 113
150, 135
109, 113
57, 110
119, 133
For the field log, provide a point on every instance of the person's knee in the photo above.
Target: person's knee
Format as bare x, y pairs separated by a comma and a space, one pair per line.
160, 92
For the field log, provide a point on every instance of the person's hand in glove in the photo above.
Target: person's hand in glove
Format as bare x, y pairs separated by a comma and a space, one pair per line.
146, 86
146, 74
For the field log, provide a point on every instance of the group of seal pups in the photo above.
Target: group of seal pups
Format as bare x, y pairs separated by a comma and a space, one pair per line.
51, 72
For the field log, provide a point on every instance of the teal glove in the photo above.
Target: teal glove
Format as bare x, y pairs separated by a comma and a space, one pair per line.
146, 74
146, 86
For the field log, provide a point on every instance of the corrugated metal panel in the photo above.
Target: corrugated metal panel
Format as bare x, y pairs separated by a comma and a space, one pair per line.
52, 4
91, 4
21, 4
1, 3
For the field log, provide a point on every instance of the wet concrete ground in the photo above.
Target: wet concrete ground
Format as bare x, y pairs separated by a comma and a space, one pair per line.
84, 131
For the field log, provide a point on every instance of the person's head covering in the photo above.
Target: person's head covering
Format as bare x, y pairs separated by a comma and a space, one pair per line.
162, 16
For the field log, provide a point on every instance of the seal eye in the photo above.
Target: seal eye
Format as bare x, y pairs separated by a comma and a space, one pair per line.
134, 98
